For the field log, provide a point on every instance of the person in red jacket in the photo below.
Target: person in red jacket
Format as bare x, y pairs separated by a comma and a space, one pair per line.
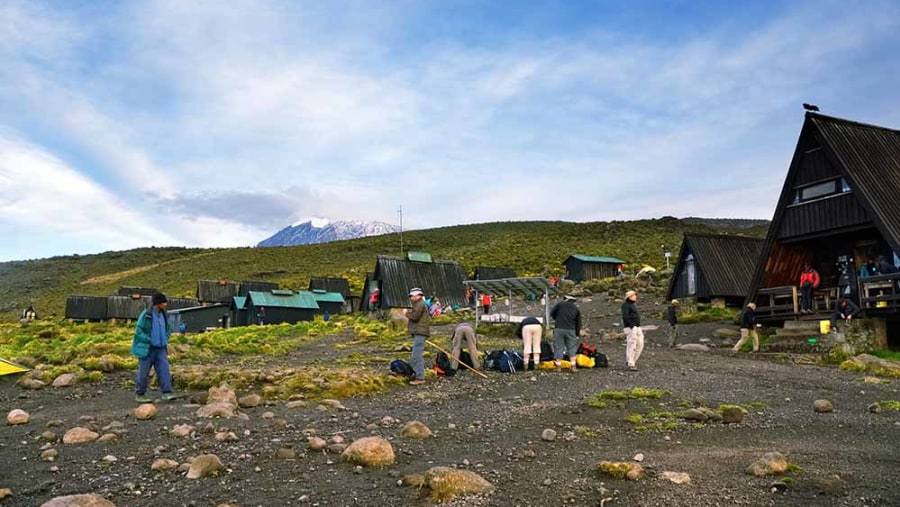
486, 303
809, 281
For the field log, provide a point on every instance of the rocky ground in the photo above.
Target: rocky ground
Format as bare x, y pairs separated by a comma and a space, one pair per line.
493, 427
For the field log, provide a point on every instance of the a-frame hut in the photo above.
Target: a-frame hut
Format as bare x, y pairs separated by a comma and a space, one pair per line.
715, 268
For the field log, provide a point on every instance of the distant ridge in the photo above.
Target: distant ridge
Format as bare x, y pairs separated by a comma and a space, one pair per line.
727, 223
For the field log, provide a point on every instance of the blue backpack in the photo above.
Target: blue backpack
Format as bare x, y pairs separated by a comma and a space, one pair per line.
401, 368
504, 361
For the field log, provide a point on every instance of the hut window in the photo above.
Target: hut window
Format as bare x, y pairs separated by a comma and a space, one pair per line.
691, 275
820, 190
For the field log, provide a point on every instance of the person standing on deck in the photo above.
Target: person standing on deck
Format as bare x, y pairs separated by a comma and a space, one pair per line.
809, 282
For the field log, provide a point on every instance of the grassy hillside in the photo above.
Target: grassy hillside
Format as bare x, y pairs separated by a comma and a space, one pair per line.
528, 247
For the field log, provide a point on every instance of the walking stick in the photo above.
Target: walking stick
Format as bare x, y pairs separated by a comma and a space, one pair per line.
473, 370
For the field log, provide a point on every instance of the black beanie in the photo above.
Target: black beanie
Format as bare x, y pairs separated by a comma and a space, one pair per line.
159, 298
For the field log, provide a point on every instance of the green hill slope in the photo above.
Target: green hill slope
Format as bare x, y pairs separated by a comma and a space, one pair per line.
528, 247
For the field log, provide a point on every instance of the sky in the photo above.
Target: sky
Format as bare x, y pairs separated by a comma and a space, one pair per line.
214, 124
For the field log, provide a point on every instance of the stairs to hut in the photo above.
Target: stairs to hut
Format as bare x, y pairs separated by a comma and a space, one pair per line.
798, 336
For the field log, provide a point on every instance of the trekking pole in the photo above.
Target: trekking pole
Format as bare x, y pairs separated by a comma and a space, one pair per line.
473, 370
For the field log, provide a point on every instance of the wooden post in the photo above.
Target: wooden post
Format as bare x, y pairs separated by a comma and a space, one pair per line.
794, 299
546, 309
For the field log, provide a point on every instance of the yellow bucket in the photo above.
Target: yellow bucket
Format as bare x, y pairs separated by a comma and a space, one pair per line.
881, 304
824, 326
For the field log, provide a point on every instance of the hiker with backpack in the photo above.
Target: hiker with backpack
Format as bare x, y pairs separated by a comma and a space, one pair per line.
567, 320
634, 335
419, 329
464, 332
530, 331
150, 347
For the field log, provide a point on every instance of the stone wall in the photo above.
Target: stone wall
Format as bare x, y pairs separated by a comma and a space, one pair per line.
861, 335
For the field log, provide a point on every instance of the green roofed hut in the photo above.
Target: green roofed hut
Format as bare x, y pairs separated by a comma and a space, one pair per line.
331, 302
581, 268
281, 306
239, 312
200, 318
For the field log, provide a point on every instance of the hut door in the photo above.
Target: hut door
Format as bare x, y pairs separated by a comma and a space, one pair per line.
691, 275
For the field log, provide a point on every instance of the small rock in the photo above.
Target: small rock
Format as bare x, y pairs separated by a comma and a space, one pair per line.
91, 500
268, 415
875, 408
622, 470
108, 437
64, 380
145, 411
778, 487
79, 435
548, 482
181, 430
337, 448
414, 480
223, 410
529, 453
5, 492
164, 465
296, 404
771, 463
31, 383
694, 414
17, 416
204, 465
286, 452
184, 467
113, 426
317, 444
451, 482
109, 458
50, 455
416, 430
823, 406
639, 457
370, 452
677, 477
693, 347
336, 439
226, 436
732, 415
249, 401
548, 435
871, 380
333, 404
221, 394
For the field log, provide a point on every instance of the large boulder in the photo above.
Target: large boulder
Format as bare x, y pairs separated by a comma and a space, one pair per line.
694, 414
222, 394
770, 464
205, 465
17, 416
370, 452
79, 435
415, 429
79, 501
447, 483
220, 402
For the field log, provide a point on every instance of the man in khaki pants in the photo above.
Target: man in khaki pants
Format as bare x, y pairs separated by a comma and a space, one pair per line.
464, 332
631, 324
748, 328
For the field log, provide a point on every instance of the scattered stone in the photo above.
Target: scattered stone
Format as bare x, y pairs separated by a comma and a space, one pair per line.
226, 436
223, 410
109, 458
53, 423
249, 401
448, 483
778, 487
621, 470
416, 429
286, 452
91, 500
337, 448
529, 453
830, 484
823, 406
726, 333
17, 416
677, 477
771, 463
31, 383
164, 465
145, 412
871, 380
64, 380
875, 408
732, 415
335, 404
317, 444
414, 480
370, 452
268, 415
694, 414
204, 465
548, 435
113, 426
5, 492
79, 435
336, 439
296, 404
181, 430
693, 347
221, 394
639, 457
50, 455
49, 436
108, 437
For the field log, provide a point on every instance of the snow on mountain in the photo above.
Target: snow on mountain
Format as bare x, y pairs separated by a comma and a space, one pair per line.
322, 230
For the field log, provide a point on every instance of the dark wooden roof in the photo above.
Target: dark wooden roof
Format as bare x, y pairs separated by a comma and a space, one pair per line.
492, 273
870, 158
340, 285
443, 279
130, 291
214, 291
726, 262
254, 286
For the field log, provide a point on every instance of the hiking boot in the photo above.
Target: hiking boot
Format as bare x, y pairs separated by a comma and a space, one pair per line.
632, 367
143, 398
417, 382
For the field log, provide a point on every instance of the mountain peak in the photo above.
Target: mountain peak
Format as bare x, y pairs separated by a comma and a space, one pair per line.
323, 230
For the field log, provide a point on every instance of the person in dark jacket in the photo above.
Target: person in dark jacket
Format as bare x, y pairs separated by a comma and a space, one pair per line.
844, 310
634, 335
150, 346
672, 317
420, 330
567, 319
748, 328
530, 331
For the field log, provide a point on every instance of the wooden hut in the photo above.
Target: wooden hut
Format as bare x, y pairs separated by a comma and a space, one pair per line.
339, 285
201, 318
715, 267
86, 308
239, 312
216, 291
126, 307
582, 268
838, 208
279, 306
254, 286
140, 291
331, 302
395, 276
492, 273
179, 303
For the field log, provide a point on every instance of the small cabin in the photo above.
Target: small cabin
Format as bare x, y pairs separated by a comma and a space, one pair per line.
331, 302
201, 318
395, 276
715, 268
86, 308
584, 268
216, 291
280, 306
249, 286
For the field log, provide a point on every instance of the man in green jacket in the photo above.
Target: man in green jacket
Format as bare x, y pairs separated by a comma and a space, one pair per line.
150, 346
420, 330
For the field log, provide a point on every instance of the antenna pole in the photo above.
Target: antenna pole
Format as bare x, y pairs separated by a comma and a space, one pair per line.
400, 213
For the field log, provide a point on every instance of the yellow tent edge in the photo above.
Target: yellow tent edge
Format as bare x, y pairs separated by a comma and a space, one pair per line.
9, 367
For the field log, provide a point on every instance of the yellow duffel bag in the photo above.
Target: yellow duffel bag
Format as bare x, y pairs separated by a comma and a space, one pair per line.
584, 361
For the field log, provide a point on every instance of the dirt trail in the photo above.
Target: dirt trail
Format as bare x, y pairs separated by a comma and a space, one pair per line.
115, 277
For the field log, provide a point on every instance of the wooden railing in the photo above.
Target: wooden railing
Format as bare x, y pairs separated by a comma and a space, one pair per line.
880, 293
777, 301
